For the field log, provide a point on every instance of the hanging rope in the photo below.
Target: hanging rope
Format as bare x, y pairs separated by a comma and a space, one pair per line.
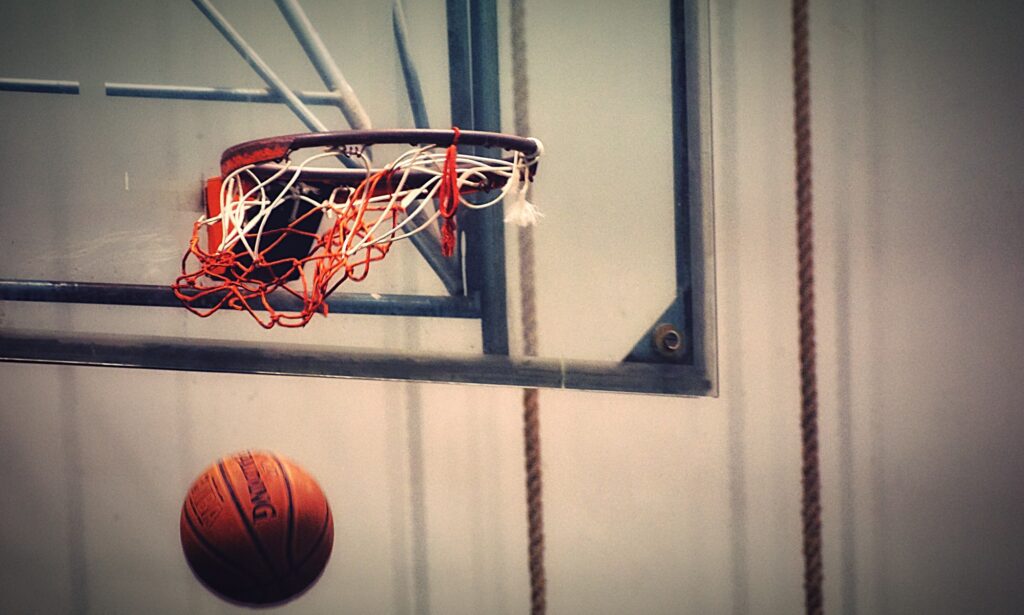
811, 505
531, 397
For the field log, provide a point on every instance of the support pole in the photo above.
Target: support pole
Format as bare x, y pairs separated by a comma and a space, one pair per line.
262, 69
324, 63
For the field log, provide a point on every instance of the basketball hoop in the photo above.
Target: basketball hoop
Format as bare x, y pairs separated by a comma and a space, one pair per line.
276, 224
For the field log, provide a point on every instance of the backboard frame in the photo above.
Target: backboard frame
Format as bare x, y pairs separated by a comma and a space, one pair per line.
650, 367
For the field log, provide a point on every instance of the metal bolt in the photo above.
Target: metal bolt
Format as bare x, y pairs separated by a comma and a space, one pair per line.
668, 340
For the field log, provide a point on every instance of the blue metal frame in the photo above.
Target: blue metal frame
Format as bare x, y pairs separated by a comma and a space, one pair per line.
473, 77
197, 355
39, 86
48, 291
473, 58
678, 316
476, 105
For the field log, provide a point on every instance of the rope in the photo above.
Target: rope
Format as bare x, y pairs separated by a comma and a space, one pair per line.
811, 504
531, 397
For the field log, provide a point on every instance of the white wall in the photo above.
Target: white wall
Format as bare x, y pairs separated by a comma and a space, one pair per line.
653, 505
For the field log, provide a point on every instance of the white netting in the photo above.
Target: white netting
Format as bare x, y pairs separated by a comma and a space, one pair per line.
266, 210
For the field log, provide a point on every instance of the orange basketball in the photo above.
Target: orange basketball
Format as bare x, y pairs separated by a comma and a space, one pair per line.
256, 528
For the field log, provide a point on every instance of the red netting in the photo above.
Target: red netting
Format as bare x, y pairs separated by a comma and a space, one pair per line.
448, 196
216, 276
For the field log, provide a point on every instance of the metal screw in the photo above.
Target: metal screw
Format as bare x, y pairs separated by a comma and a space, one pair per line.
668, 340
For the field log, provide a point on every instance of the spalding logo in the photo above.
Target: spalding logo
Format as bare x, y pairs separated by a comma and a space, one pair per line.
262, 508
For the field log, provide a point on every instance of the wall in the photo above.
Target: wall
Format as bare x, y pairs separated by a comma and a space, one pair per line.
652, 505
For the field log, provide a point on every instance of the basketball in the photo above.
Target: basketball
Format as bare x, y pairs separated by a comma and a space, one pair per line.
256, 528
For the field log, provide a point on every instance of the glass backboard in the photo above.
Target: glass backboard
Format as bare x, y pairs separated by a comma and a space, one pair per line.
117, 114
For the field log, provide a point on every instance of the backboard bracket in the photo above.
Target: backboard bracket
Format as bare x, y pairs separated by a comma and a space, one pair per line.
666, 341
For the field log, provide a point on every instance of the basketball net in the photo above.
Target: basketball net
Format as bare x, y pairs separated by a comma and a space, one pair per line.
234, 258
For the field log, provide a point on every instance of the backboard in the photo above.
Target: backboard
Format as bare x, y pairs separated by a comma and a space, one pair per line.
118, 112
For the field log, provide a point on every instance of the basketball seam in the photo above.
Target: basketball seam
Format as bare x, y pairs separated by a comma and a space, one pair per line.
290, 535
217, 554
245, 522
191, 501
318, 542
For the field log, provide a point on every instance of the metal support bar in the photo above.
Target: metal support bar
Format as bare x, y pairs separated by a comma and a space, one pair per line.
485, 251
201, 355
481, 250
39, 86
409, 73
460, 76
185, 92
681, 150
262, 68
162, 296
329, 72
